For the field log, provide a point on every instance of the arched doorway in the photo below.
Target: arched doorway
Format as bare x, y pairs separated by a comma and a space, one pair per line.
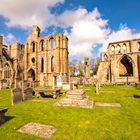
31, 75
125, 67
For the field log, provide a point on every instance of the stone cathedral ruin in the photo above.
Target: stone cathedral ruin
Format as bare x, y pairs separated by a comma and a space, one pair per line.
37, 60
121, 62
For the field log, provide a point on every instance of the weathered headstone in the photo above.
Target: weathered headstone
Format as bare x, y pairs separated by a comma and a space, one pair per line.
27, 93
16, 96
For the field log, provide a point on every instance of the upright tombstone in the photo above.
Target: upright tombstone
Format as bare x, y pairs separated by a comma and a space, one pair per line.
16, 96
54, 81
97, 84
27, 91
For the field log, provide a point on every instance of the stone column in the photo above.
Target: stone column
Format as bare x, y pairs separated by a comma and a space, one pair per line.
97, 88
25, 61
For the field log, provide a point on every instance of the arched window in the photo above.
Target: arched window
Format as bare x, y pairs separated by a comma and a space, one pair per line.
52, 64
33, 46
118, 48
125, 67
7, 71
138, 46
52, 43
105, 57
124, 47
42, 45
42, 65
113, 48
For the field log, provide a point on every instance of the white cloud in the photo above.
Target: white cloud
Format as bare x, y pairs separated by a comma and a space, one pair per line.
9, 38
87, 30
24, 13
123, 33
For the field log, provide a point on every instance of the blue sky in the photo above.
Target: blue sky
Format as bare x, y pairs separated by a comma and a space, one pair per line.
89, 24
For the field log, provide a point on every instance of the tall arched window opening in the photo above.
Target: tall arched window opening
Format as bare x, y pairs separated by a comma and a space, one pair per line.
52, 64
125, 67
118, 48
105, 57
42, 65
113, 49
42, 45
124, 48
138, 46
52, 43
33, 46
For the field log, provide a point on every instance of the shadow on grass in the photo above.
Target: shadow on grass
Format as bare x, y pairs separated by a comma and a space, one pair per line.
48, 95
6, 119
136, 96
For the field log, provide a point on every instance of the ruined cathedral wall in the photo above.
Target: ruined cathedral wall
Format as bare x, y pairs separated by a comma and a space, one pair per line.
123, 59
50, 54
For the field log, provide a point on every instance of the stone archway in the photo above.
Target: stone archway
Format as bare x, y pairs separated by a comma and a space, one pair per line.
31, 75
125, 67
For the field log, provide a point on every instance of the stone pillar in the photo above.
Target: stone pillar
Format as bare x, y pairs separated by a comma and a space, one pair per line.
1, 43
36, 61
87, 68
25, 61
97, 88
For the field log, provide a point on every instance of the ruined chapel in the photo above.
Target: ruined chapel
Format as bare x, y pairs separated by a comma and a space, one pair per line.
35, 61
121, 62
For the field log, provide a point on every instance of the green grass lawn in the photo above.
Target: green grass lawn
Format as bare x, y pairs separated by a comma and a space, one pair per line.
99, 123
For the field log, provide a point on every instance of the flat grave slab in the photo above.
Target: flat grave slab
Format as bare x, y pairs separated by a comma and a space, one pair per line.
76, 98
108, 91
37, 129
39, 100
107, 104
2, 99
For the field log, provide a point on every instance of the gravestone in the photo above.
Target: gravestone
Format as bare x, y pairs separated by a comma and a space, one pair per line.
54, 81
27, 93
16, 96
